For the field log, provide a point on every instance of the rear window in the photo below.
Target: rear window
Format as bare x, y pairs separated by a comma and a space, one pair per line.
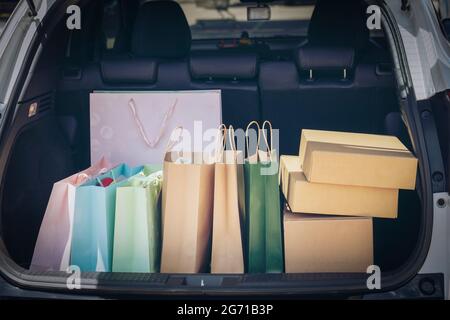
442, 10
6, 8
213, 20
228, 19
210, 19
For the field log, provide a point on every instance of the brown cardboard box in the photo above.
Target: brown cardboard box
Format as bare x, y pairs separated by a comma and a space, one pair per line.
357, 159
316, 243
320, 198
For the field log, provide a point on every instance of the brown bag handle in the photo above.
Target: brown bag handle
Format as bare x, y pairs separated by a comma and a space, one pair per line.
220, 141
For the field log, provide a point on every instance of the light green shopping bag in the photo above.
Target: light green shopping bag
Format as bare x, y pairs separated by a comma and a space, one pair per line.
137, 232
262, 200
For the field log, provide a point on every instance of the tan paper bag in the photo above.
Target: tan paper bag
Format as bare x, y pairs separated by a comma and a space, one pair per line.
227, 249
187, 207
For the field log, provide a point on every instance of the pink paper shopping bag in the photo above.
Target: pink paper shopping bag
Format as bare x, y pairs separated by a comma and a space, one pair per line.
52, 250
134, 127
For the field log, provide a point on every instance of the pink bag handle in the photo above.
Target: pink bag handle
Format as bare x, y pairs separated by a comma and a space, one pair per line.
83, 177
169, 113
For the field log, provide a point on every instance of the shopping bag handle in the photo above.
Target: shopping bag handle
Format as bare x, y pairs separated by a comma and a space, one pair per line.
153, 179
221, 141
231, 138
137, 120
247, 137
266, 140
83, 177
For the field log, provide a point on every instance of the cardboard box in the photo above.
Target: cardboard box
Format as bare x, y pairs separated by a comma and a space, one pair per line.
316, 243
357, 159
320, 198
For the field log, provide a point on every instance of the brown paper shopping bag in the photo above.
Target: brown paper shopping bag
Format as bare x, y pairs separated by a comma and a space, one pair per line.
187, 207
227, 250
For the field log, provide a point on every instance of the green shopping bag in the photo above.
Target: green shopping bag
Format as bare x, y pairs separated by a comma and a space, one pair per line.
262, 200
137, 231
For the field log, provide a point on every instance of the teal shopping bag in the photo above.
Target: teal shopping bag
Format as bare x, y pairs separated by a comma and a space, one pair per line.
93, 225
262, 200
137, 231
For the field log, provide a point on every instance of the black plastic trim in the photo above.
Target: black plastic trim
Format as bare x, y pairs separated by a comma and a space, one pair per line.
437, 168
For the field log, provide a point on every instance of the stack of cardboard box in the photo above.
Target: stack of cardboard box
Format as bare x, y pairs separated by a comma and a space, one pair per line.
333, 189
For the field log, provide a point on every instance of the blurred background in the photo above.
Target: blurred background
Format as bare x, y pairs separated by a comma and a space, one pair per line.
6, 8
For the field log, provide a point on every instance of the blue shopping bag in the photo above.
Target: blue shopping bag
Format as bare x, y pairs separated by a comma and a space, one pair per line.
94, 215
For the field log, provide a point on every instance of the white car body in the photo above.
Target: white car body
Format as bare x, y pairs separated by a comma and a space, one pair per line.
428, 53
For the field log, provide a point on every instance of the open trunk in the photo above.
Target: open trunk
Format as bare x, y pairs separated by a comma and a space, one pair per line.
38, 150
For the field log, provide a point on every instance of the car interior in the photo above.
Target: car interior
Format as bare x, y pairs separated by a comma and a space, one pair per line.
333, 75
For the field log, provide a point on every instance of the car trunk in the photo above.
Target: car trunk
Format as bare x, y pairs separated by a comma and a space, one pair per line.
40, 149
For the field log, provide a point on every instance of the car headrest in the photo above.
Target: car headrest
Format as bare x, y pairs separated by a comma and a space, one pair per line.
137, 70
325, 58
161, 31
339, 23
224, 66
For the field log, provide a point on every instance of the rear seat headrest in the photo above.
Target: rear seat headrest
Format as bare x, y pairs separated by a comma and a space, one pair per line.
325, 58
161, 31
138, 70
223, 66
